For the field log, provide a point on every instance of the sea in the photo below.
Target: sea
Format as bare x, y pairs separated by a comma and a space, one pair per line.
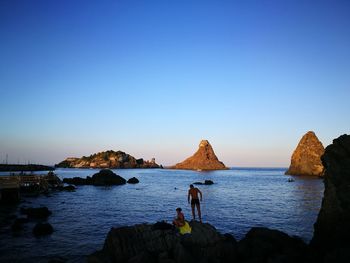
239, 199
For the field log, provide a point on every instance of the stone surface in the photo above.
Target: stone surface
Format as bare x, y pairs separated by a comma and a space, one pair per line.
332, 228
36, 212
152, 243
267, 245
42, 229
306, 158
133, 180
107, 159
203, 159
103, 177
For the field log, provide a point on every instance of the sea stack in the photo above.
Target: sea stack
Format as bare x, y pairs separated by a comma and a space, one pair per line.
203, 159
306, 158
332, 228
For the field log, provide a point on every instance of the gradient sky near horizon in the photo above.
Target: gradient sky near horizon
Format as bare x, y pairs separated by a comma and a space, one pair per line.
153, 78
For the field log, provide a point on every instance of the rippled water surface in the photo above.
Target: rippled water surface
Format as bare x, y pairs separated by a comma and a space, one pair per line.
240, 199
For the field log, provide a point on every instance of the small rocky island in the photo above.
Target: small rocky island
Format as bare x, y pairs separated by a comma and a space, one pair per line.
108, 159
203, 159
306, 158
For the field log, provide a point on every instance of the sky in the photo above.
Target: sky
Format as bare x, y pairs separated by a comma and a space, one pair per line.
153, 78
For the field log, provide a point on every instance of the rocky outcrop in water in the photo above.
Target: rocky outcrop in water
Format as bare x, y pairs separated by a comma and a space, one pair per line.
107, 159
103, 177
306, 158
158, 243
203, 159
332, 228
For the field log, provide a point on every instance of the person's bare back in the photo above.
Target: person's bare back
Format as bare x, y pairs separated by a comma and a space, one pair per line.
193, 192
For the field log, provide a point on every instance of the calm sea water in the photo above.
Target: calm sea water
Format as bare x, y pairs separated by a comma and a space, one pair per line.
240, 199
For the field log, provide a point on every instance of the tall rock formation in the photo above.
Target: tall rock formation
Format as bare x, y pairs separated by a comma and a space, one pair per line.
332, 228
203, 159
107, 159
306, 158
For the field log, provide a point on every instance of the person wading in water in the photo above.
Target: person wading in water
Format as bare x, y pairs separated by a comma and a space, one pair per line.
193, 193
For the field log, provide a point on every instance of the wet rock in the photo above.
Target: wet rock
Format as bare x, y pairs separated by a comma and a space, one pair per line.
133, 180
306, 158
332, 228
77, 181
266, 245
42, 229
103, 177
69, 188
203, 159
208, 182
148, 243
18, 224
107, 177
36, 213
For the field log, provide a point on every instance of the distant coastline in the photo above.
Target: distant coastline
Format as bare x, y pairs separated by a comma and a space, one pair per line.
25, 167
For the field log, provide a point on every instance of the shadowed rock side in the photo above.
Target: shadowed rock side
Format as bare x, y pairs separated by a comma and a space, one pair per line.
332, 228
203, 159
107, 159
306, 158
103, 177
160, 243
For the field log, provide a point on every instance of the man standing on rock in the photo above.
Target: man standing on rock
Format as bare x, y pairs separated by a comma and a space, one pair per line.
193, 193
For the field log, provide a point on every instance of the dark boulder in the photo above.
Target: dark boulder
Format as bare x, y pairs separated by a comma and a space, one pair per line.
133, 180
69, 188
42, 229
103, 177
107, 177
332, 228
198, 183
266, 245
36, 213
147, 243
76, 181
208, 182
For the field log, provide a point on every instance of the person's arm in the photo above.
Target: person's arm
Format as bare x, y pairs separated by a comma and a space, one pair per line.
188, 197
200, 194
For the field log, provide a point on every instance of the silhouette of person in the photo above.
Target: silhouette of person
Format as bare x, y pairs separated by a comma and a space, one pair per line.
193, 193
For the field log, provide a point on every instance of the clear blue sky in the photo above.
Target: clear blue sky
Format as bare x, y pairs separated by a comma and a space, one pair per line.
153, 78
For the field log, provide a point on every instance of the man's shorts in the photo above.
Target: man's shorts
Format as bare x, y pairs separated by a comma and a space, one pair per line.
195, 202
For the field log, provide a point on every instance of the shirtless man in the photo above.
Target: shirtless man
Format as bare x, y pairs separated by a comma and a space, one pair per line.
179, 221
193, 193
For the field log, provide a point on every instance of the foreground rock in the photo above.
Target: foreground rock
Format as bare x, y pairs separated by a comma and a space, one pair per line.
203, 159
306, 158
103, 177
266, 245
158, 243
332, 228
107, 159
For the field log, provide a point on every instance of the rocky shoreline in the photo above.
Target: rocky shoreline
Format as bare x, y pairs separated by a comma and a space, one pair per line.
331, 242
24, 167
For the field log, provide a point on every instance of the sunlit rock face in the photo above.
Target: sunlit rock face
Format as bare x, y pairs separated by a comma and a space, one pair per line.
332, 228
306, 158
203, 159
107, 159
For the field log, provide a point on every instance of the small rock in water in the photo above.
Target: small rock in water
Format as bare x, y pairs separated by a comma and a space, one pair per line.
208, 182
37, 213
42, 229
133, 180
